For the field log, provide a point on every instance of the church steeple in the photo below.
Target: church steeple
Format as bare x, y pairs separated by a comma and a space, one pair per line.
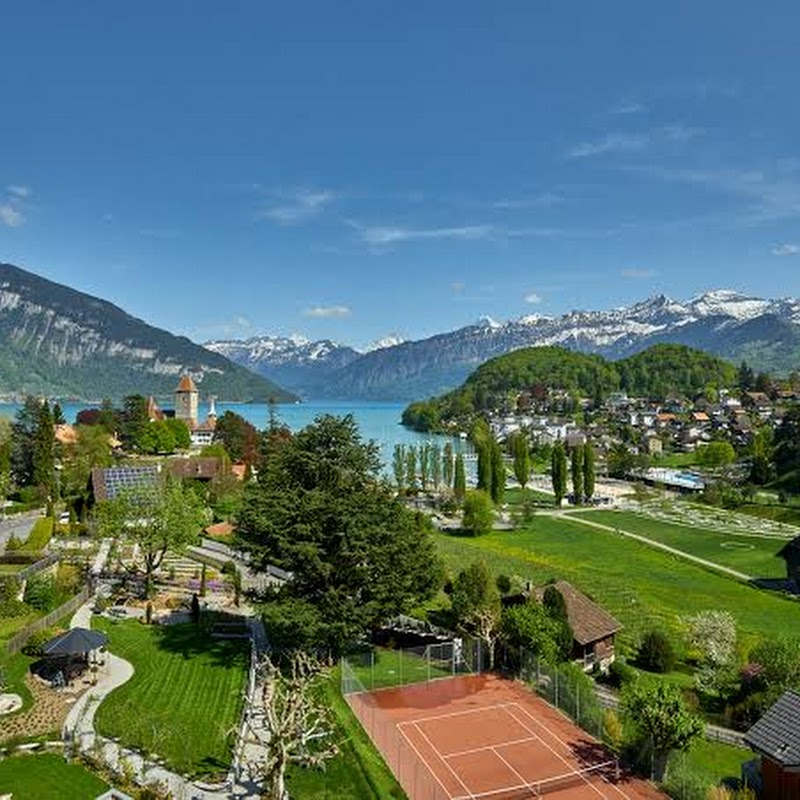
186, 397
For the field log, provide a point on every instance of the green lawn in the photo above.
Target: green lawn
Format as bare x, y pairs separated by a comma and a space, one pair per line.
185, 698
641, 586
15, 668
382, 667
357, 773
716, 761
753, 555
38, 776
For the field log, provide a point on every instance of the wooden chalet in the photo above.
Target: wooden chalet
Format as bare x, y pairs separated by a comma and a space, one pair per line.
776, 739
593, 628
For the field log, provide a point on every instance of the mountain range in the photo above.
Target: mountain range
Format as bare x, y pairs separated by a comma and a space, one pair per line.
765, 333
59, 342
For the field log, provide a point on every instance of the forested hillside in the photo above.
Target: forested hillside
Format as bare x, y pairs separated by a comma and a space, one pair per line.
656, 372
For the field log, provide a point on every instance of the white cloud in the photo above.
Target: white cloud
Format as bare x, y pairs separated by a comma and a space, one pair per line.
678, 132
327, 311
385, 235
300, 206
458, 286
610, 143
539, 201
10, 216
628, 108
533, 298
19, 190
637, 274
785, 250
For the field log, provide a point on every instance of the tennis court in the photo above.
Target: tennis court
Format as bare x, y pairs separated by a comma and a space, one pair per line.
481, 737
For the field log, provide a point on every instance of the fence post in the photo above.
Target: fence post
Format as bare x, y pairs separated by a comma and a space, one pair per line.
578, 704
371, 670
555, 678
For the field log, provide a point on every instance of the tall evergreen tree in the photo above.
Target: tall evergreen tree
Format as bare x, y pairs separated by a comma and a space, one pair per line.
522, 459
558, 472
576, 470
459, 479
588, 471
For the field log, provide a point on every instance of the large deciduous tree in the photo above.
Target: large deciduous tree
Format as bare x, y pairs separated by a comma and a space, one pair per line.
476, 605
660, 715
478, 512
357, 556
239, 437
157, 518
522, 459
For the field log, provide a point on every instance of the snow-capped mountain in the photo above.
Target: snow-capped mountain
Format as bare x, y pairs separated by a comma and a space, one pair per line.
766, 333
304, 365
386, 341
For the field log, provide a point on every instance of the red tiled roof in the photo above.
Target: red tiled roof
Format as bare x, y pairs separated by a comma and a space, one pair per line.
220, 529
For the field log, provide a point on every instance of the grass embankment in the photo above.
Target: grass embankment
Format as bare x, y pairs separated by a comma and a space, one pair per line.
33, 777
641, 586
381, 667
755, 555
184, 700
357, 773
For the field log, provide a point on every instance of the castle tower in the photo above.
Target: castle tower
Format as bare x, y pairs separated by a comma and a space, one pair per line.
186, 397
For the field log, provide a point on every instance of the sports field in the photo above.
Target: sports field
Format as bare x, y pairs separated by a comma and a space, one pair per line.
481, 736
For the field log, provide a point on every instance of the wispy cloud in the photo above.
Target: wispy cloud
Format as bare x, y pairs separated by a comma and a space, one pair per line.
533, 298
11, 216
613, 142
18, 190
678, 132
384, 236
771, 196
539, 201
785, 250
626, 108
328, 311
637, 274
299, 205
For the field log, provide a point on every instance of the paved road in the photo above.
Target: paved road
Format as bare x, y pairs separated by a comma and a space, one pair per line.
19, 525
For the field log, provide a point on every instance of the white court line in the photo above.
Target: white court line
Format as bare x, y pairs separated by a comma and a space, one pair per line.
521, 777
436, 750
447, 716
563, 743
554, 752
427, 765
490, 747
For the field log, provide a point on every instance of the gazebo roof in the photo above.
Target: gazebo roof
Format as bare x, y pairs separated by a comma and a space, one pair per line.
75, 640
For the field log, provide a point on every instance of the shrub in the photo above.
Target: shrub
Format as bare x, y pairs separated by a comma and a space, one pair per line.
619, 674
503, 583
40, 593
656, 653
33, 647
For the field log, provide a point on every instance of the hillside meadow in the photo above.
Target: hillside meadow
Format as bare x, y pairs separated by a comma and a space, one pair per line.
641, 586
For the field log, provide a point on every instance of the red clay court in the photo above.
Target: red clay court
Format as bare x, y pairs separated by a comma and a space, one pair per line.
480, 737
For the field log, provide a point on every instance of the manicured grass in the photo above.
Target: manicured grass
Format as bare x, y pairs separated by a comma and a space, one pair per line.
185, 698
9, 626
753, 555
515, 496
381, 667
15, 668
675, 460
641, 586
37, 776
357, 773
716, 761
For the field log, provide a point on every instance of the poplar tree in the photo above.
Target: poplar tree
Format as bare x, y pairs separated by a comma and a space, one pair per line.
399, 467
588, 471
460, 479
498, 473
436, 466
558, 472
411, 469
424, 465
484, 465
447, 465
522, 459
576, 469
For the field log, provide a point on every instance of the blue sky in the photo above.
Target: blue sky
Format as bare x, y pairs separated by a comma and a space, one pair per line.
350, 170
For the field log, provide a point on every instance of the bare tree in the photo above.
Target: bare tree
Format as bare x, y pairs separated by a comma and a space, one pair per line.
297, 728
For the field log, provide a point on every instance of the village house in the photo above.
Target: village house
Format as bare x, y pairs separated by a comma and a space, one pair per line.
593, 628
